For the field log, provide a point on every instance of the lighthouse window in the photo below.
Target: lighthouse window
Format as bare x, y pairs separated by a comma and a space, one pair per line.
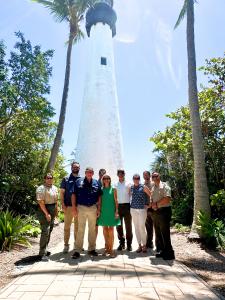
103, 61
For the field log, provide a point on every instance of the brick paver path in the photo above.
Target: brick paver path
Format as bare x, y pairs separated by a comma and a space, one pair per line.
128, 276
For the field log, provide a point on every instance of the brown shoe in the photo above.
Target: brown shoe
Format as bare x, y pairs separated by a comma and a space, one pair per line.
144, 249
139, 249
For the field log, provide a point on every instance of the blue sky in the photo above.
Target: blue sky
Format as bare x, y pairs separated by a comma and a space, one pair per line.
150, 58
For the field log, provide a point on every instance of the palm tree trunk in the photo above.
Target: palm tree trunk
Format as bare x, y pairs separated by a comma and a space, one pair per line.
58, 137
201, 196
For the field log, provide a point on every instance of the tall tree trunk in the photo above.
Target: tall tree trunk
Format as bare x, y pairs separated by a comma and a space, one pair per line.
58, 137
201, 196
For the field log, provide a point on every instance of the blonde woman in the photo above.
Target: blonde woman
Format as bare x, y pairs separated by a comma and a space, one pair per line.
108, 214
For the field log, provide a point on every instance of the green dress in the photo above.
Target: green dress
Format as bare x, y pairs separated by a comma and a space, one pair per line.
107, 216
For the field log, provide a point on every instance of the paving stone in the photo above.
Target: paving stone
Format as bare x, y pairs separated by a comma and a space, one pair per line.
7, 291
102, 284
137, 293
84, 290
16, 295
31, 288
60, 288
57, 298
32, 296
132, 282
167, 289
103, 294
82, 296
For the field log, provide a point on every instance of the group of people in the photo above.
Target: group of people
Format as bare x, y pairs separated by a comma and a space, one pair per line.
98, 202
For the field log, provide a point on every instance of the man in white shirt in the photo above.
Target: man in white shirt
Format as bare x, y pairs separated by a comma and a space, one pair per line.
123, 198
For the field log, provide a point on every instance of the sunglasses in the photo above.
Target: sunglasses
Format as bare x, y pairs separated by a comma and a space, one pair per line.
136, 178
106, 178
49, 177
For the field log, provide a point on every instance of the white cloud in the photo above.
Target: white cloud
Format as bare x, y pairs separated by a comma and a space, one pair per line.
129, 19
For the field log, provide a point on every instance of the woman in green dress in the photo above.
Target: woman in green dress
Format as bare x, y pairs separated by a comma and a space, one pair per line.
108, 214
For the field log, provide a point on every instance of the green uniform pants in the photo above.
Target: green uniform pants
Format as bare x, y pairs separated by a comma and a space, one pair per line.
46, 227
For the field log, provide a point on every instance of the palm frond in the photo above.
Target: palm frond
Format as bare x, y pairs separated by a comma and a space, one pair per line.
182, 14
57, 8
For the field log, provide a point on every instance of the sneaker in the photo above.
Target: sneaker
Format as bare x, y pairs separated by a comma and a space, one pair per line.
129, 248
66, 248
93, 253
121, 247
75, 255
44, 258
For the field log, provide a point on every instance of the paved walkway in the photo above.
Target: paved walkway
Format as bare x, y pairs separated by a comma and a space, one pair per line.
128, 276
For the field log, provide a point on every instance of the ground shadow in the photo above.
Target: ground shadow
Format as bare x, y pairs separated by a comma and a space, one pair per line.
28, 260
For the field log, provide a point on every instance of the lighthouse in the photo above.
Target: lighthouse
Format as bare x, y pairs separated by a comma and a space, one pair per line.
99, 142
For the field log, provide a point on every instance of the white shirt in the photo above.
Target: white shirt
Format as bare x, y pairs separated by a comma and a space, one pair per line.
122, 189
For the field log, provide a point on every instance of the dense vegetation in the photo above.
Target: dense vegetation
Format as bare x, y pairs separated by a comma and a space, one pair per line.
26, 127
174, 159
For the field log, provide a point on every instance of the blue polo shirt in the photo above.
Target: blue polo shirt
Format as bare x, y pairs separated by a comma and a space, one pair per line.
86, 192
67, 184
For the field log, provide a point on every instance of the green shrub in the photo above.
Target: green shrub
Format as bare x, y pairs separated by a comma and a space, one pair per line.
61, 216
212, 230
218, 203
12, 230
181, 228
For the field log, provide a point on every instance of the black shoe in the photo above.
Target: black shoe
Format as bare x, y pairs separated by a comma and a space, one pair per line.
168, 256
121, 247
159, 254
75, 255
129, 248
93, 253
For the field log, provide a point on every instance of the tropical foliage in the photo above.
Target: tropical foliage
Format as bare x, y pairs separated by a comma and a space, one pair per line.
173, 147
26, 128
72, 12
213, 230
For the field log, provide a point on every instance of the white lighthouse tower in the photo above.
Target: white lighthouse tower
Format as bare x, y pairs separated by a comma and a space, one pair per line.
100, 142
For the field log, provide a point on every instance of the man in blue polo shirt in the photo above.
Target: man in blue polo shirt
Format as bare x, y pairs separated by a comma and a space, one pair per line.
85, 199
66, 189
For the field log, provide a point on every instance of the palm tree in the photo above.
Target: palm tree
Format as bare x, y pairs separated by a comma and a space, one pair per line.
201, 195
72, 12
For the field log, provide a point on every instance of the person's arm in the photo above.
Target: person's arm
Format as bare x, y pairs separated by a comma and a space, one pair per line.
164, 201
116, 204
74, 204
166, 197
62, 195
56, 203
148, 193
43, 208
99, 206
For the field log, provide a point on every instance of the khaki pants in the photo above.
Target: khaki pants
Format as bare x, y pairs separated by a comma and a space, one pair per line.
68, 218
85, 214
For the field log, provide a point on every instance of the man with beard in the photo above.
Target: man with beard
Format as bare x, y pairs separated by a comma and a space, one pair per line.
66, 189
